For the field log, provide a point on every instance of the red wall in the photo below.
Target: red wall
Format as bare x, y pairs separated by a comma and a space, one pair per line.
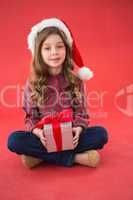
104, 34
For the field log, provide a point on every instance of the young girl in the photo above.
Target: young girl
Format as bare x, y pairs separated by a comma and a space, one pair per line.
51, 88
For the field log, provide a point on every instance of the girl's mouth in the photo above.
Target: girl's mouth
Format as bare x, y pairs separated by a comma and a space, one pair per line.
55, 59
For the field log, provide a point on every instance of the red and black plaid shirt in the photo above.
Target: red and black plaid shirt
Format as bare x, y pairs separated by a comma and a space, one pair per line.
58, 98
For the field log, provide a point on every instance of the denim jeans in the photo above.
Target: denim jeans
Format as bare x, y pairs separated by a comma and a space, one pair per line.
25, 142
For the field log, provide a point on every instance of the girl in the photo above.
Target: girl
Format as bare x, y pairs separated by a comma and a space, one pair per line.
51, 88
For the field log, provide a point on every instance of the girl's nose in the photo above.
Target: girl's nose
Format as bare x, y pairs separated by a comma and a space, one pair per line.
54, 50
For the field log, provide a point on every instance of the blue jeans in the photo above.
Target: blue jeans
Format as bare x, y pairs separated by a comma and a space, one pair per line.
25, 142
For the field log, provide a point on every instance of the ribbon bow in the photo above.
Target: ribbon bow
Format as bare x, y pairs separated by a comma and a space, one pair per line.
64, 116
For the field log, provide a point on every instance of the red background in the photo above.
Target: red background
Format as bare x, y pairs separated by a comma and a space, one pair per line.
103, 31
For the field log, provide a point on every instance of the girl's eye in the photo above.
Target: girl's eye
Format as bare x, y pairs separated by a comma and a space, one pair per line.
61, 46
47, 48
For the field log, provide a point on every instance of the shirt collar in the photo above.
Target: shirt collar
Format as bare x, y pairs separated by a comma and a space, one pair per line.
60, 77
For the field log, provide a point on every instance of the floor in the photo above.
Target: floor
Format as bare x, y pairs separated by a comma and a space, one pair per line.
112, 180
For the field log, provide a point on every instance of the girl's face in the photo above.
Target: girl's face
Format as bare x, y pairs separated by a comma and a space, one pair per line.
53, 51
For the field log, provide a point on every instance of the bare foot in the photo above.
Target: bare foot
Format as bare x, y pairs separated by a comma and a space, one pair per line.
30, 162
89, 158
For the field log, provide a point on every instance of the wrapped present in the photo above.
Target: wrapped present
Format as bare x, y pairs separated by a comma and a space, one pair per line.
58, 131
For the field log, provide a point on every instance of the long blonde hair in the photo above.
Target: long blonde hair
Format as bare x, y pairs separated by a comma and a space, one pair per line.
38, 78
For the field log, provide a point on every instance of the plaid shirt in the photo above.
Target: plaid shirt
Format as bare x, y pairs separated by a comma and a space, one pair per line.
58, 98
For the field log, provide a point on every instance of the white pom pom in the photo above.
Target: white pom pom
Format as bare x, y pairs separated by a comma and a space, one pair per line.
85, 73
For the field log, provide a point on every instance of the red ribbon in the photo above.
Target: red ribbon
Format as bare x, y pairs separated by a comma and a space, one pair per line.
55, 120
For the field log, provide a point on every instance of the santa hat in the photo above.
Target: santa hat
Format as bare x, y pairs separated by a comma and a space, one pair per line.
84, 73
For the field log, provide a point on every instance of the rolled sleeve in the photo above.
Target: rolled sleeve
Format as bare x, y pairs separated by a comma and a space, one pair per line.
31, 113
80, 113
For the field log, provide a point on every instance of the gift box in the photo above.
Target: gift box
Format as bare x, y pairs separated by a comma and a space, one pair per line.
58, 131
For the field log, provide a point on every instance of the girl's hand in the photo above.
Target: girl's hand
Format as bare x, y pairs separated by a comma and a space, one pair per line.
77, 131
40, 133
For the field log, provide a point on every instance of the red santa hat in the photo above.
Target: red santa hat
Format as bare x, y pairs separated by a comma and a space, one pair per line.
84, 73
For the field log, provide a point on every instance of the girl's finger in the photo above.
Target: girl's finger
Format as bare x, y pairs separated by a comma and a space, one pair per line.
40, 132
44, 143
75, 145
75, 142
76, 138
43, 138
